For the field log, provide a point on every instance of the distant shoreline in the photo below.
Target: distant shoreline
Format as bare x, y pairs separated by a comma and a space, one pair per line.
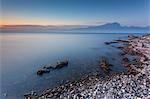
66, 33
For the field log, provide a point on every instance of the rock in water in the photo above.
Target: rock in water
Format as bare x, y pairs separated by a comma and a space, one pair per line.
42, 71
30, 95
104, 64
61, 64
47, 68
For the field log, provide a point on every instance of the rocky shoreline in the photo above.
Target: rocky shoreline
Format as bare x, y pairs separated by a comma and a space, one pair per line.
134, 84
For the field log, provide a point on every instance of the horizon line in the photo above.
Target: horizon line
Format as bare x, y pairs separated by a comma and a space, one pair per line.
5, 25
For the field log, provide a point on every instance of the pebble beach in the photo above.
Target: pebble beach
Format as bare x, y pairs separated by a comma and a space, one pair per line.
133, 84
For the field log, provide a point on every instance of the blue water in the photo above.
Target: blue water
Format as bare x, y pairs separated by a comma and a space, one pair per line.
23, 54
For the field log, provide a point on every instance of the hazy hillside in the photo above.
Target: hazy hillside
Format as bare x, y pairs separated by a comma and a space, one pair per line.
106, 28
114, 28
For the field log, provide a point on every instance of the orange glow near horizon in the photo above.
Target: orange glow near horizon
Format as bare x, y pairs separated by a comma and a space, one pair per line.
13, 20
30, 22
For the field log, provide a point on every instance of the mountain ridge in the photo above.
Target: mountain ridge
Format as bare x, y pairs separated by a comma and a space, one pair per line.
115, 27
105, 28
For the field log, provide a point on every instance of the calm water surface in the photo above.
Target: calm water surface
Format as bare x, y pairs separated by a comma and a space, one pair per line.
23, 54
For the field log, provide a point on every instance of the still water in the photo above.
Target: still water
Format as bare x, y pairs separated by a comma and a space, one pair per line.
23, 54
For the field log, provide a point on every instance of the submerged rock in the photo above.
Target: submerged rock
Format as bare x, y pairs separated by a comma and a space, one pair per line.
42, 71
123, 41
61, 64
108, 43
47, 68
30, 95
104, 64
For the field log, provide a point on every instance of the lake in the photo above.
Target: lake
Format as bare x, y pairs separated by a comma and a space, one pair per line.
23, 54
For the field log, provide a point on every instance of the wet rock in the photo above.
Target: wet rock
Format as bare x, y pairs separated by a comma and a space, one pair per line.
61, 64
122, 41
27, 96
125, 59
108, 43
42, 71
132, 37
47, 68
104, 64
33, 93
30, 95
120, 47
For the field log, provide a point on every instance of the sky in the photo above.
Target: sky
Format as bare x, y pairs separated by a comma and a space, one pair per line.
75, 12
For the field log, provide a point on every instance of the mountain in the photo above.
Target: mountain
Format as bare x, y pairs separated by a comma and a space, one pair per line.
37, 28
106, 28
30, 28
114, 28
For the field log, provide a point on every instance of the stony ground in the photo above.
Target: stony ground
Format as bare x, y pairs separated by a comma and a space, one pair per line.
135, 84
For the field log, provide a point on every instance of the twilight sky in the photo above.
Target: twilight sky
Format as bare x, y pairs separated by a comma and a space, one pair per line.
75, 12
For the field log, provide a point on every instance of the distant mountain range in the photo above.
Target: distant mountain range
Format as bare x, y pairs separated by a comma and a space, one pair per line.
115, 28
106, 28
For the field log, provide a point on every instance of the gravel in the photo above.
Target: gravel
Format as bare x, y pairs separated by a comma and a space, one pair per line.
135, 84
